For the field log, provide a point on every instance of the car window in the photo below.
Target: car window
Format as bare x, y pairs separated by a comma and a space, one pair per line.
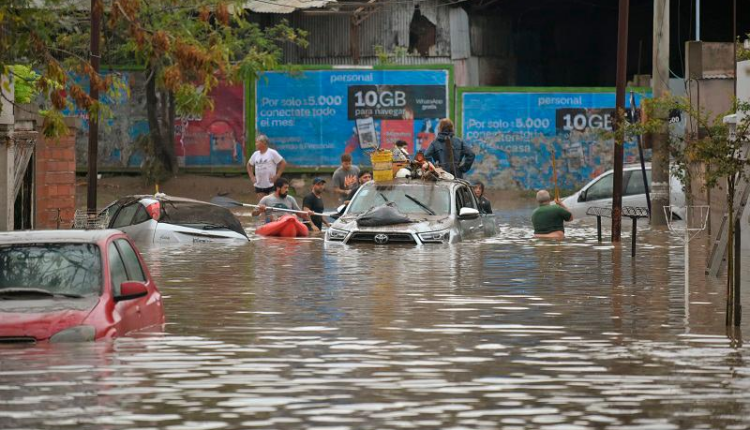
602, 189
59, 268
459, 201
132, 264
117, 272
635, 183
140, 215
468, 201
125, 216
110, 211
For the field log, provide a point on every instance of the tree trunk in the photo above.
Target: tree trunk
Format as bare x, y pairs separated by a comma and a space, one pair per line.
171, 109
157, 109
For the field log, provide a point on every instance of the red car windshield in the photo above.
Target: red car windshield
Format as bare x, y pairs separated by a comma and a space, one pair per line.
67, 269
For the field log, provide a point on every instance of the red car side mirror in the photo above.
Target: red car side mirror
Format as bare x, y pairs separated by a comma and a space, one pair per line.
130, 290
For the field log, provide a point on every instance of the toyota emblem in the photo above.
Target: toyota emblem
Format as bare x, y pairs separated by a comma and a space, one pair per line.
381, 239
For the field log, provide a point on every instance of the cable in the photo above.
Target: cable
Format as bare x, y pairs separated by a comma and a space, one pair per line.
679, 37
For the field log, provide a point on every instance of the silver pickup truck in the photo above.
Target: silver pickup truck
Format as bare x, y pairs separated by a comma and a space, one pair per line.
442, 211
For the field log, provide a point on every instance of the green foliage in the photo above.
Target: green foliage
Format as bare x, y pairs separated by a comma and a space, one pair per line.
25, 81
188, 47
712, 143
54, 123
386, 57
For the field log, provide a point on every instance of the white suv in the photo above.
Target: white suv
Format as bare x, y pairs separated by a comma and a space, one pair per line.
598, 192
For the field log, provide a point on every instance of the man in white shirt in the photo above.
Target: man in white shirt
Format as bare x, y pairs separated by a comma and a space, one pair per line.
265, 166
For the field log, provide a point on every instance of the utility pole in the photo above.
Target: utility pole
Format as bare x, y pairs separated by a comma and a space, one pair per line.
622, 65
94, 57
660, 84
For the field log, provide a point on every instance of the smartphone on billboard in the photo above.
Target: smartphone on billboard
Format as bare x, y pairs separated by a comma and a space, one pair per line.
368, 139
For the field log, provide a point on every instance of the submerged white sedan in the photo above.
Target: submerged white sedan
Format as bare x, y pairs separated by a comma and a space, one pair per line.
166, 219
598, 192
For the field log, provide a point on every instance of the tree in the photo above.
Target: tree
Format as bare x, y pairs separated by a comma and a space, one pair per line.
187, 47
720, 149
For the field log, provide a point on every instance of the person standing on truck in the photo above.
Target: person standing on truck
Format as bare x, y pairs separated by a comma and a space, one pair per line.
449, 152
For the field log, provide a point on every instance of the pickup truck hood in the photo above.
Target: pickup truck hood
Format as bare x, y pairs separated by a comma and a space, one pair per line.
421, 224
42, 318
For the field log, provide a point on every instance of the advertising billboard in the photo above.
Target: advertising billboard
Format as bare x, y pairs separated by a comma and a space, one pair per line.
314, 116
514, 133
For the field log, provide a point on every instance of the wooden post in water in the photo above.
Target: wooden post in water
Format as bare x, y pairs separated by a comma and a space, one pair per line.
737, 273
622, 61
554, 174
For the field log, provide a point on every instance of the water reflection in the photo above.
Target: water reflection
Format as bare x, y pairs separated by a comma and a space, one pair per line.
506, 332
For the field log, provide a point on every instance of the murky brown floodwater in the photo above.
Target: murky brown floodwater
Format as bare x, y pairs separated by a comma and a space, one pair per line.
504, 333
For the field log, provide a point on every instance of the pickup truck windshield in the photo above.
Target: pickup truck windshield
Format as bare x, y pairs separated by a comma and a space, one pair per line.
406, 197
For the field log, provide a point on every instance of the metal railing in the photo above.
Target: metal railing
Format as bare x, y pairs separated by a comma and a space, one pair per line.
90, 220
632, 212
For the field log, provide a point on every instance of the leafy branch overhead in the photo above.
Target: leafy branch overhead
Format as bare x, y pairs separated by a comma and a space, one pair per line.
187, 46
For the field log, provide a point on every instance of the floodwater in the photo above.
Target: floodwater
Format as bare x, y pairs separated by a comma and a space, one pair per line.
504, 333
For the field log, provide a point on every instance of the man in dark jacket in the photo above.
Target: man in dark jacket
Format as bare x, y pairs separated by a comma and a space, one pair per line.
450, 152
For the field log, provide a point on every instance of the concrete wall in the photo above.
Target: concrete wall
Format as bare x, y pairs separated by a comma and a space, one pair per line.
710, 72
7, 155
743, 94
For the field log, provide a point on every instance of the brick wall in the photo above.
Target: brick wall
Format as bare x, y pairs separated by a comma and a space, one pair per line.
55, 163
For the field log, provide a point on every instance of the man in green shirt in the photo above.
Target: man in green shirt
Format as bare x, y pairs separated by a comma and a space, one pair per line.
548, 220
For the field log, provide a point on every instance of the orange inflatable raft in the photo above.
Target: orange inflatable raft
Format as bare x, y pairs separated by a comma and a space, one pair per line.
286, 226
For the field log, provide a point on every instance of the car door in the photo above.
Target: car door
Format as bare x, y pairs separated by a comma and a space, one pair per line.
148, 308
135, 221
127, 313
598, 194
469, 228
635, 190
124, 217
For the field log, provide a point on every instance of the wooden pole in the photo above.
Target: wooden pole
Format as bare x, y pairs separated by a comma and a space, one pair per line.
622, 60
93, 149
554, 175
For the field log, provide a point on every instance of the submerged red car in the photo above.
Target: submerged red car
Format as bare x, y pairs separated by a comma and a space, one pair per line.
73, 285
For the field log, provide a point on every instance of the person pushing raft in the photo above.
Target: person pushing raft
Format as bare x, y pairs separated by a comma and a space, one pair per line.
549, 220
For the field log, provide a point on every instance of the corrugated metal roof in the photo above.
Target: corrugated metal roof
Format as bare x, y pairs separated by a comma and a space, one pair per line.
284, 6
259, 6
411, 60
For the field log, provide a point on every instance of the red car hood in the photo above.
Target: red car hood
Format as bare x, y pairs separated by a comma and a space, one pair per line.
42, 318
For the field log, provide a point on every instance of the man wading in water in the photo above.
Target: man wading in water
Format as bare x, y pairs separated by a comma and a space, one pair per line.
548, 220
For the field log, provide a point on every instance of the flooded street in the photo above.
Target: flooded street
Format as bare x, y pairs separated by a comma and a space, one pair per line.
503, 333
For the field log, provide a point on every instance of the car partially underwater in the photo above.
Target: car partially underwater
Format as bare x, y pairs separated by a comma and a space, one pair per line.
165, 219
74, 285
598, 192
412, 211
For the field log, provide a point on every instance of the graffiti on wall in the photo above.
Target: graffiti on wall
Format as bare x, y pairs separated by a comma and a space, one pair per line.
313, 117
215, 138
120, 130
515, 133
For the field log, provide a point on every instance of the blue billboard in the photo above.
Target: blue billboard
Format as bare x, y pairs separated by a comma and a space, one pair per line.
313, 117
514, 134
